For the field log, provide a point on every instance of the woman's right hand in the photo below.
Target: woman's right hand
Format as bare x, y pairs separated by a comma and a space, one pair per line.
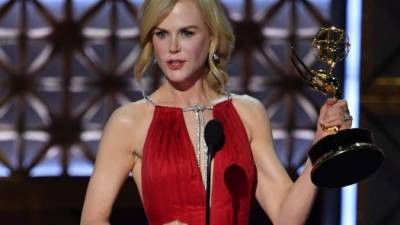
175, 222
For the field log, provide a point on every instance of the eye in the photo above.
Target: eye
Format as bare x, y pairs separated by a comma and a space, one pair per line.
160, 34
187, 33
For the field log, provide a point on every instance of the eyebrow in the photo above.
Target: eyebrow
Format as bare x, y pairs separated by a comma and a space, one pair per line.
182, 28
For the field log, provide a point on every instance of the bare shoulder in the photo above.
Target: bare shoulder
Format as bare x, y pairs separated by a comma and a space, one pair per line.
132, 121
132, 113
247, 104
126, 115
251, 112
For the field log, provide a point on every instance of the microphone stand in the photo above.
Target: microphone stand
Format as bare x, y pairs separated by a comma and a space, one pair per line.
208, 183
214, 138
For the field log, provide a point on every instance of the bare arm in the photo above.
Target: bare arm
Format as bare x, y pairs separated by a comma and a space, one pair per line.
285, 202
115, 159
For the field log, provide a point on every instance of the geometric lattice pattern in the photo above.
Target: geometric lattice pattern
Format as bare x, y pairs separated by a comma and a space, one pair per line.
66, 65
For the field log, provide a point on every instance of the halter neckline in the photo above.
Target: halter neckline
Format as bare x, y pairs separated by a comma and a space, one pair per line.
210, 105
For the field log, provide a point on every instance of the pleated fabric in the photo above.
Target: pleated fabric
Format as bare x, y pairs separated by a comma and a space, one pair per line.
171, 181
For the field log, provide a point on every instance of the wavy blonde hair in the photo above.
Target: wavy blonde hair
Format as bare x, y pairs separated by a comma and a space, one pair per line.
222, 41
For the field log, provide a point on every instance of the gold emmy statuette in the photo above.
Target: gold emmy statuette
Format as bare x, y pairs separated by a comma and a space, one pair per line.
346, 156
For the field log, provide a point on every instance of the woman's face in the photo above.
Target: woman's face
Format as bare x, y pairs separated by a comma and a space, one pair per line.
181, 44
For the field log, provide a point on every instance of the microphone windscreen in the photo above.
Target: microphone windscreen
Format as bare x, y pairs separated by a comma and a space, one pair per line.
214, 135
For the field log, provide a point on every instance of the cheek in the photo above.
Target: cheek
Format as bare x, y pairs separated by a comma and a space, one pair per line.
158, 48
199, 49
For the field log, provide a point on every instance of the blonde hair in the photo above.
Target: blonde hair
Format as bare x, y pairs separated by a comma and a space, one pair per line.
154, 11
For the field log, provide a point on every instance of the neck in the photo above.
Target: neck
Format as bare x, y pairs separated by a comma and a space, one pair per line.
199, 93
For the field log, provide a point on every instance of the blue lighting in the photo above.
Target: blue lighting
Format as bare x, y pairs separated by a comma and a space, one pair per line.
79, 166
49, 166
348, 215
80, 169
48, 170
4, 171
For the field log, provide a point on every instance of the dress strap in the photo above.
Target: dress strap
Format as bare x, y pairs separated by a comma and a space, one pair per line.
225, 97
196, 107
148, 99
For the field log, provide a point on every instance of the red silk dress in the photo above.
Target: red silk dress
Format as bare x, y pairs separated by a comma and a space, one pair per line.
172, 185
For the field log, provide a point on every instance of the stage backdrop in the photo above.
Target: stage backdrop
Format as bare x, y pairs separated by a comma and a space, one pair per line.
65, 65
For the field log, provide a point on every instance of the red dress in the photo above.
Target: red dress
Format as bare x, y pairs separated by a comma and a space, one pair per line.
171, 180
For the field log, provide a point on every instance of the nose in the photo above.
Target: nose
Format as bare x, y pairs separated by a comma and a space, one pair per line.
174, 45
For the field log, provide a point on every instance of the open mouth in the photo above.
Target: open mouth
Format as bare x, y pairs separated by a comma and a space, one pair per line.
175, 64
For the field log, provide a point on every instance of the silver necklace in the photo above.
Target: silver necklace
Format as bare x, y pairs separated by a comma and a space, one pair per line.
200, 144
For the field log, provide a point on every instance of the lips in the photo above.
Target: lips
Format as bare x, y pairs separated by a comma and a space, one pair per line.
175, 64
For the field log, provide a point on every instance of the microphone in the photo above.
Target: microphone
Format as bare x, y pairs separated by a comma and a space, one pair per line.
214, 136
215, 140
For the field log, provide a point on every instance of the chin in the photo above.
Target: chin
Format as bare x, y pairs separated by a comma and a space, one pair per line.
177, 75
180, 81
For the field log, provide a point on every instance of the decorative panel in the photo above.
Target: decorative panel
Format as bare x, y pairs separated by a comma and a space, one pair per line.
66, 65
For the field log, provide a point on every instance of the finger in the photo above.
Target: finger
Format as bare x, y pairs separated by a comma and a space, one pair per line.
339, 104
339, 110
331, 101
323, 111
334, 123
343, 121
342, 104
330, 115
333, 116
326, 107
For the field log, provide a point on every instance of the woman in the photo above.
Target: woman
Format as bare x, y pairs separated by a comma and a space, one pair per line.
159, 139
